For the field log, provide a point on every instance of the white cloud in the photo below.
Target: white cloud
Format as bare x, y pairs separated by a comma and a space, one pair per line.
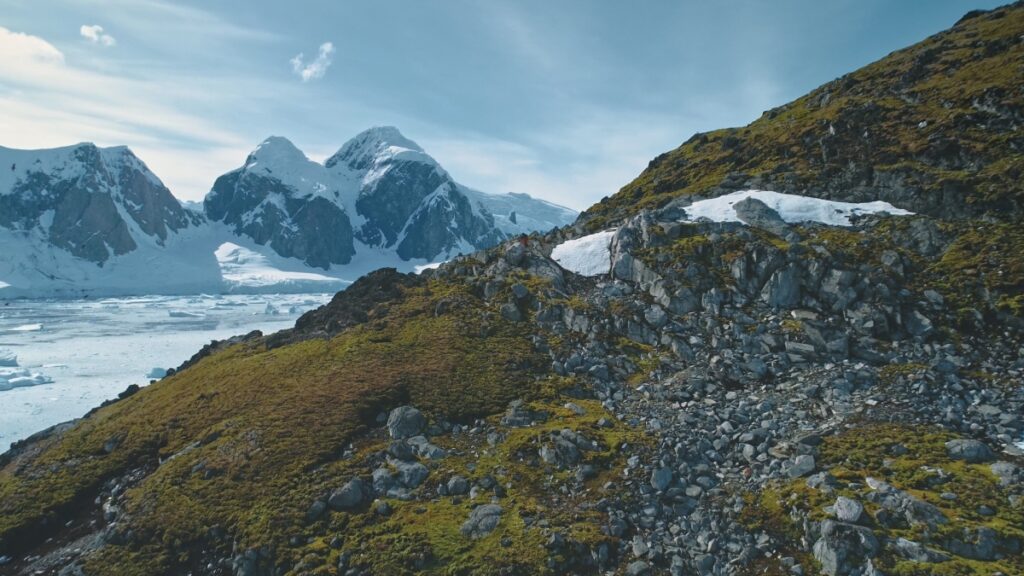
591, 153
94, 33
26, 50
46, 101
317, 67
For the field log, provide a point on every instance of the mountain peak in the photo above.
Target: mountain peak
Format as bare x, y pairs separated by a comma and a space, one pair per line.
385, 136
275, 150
373, 144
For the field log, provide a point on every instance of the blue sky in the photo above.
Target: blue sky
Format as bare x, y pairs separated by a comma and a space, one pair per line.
566, 100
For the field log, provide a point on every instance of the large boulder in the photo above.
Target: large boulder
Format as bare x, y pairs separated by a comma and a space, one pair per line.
756, 213
405, 422
482, 521
411, 474
348, 496
973, 451
842, 548
848, 509
783, 288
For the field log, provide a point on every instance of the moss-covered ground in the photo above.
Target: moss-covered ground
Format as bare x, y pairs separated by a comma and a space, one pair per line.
912, 459
248, 438
919, 113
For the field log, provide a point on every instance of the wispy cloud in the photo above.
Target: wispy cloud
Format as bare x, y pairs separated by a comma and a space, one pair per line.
40, 87
316, 68
575, 162
94, 33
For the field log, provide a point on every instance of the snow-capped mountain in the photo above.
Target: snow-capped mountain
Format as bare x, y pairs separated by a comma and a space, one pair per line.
84, 220
95, 203
282, 199
89, 220
379, 192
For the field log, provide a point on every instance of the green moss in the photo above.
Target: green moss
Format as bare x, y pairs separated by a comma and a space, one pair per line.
892, 372
792, 326
923, 469
425, 537
257, 433
984, 256
888, 118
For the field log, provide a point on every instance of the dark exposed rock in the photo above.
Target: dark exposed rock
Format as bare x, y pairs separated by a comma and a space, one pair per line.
758, 214
842, 548
482, 521
970, 450
348, 496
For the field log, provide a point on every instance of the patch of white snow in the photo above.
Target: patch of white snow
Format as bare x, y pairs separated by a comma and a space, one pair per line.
792, 208
586, 256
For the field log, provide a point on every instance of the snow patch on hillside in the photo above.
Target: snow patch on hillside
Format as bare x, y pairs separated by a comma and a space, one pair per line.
793, 208
587, 256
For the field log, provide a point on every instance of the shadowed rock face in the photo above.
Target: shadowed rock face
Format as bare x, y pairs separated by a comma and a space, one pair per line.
436, 226
88, 225
88, 194
380, 189
314, 230
394, 198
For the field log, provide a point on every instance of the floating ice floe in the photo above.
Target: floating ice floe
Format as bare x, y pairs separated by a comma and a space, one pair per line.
27, 328
8, 359
587, 256
185, 314
156, 373
19, 378
793, 208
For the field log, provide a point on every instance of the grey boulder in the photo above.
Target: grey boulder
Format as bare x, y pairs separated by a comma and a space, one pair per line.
348, 496
405, 422
972, 451
482, 521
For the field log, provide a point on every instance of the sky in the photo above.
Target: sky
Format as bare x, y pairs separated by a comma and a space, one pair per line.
565, 100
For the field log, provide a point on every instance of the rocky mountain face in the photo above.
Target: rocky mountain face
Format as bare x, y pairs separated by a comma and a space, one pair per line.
83, 220
282, 199
934, 128
93, 202
759, 396
379, 191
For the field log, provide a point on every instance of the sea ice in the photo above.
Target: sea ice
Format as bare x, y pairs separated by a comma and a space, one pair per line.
185, 314
94, 349
8, 359
20, 378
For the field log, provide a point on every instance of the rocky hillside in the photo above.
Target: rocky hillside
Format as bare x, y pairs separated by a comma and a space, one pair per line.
380, 191
935, 128
785, 386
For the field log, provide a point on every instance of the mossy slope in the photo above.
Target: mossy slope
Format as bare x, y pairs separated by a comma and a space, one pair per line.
912, 459
248, 437
933, 127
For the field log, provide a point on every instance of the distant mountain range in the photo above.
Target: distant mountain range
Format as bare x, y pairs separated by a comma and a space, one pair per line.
87, 220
